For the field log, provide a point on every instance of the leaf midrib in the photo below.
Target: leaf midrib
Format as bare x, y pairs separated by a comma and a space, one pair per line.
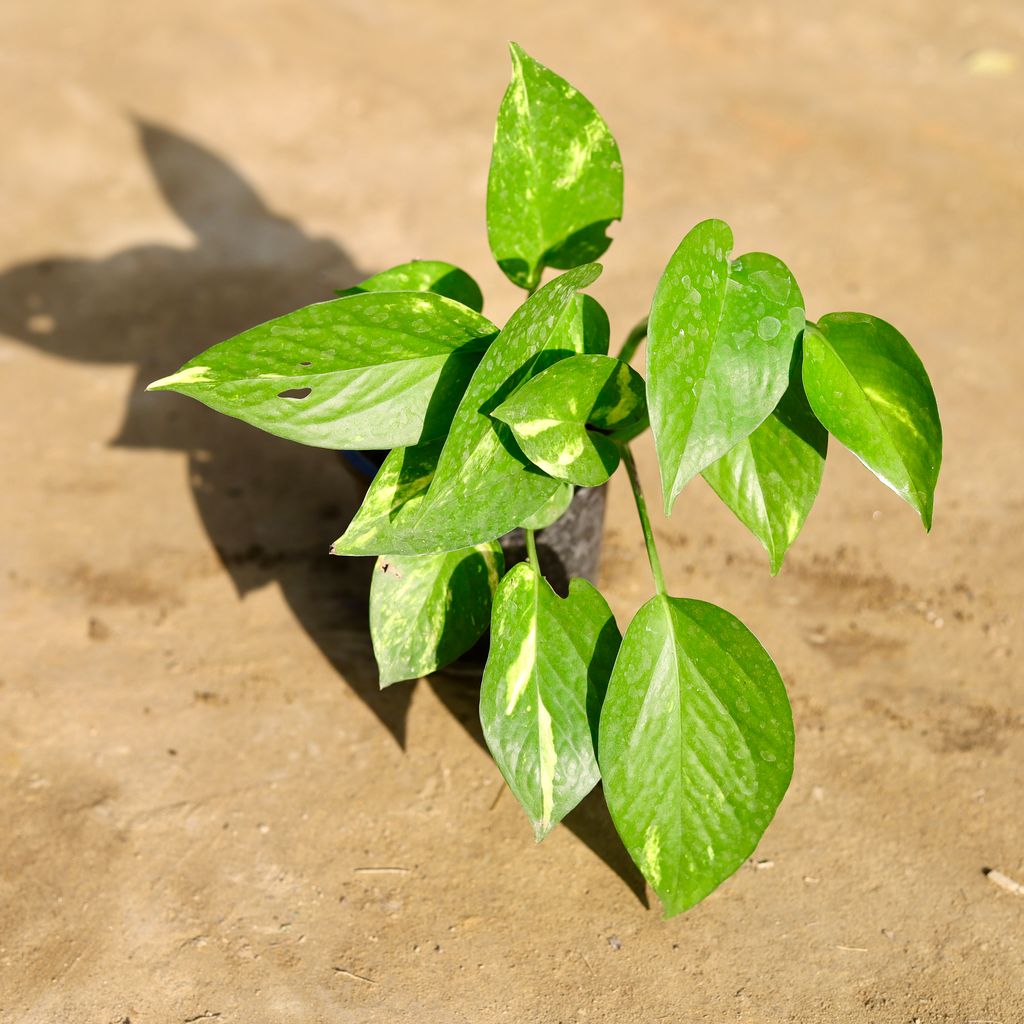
726, 711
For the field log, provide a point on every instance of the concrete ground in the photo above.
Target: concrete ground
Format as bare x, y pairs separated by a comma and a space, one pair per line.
210, 813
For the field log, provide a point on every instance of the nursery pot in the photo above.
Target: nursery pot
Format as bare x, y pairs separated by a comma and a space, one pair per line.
569, 548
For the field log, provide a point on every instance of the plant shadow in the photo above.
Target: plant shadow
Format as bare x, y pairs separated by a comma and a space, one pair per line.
270, 509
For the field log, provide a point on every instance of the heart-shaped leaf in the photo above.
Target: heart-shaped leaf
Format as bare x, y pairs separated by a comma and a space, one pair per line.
542, 689
370, 371
771, 478
551, 413
720, 342
696, 746
555, 182
424, 276
483, 486
426, 610
870, 390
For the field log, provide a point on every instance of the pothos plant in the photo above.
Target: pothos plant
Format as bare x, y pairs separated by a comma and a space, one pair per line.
684, 719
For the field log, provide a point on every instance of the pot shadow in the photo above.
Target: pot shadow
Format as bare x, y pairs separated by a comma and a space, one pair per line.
270, 509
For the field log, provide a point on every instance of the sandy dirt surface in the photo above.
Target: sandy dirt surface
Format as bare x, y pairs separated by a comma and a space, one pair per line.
209, 812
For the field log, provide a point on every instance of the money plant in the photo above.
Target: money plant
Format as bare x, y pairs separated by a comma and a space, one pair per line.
683, 719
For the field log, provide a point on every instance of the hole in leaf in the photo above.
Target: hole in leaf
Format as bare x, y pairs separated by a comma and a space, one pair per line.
305, 363
296, 393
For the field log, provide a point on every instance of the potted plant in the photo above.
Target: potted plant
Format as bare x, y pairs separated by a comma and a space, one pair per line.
684, 719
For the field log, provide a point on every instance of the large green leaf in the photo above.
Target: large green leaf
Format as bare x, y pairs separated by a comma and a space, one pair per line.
551, 413
696, 746
555, 182
426, 610
376, 370
542, 690
720, 342
771, 478
482, 485
424, 276
869, 388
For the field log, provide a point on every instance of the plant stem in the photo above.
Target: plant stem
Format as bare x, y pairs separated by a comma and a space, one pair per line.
633, 339
645, 522
531, 547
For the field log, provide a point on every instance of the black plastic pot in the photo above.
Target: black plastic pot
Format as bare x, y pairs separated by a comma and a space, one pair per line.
569, 548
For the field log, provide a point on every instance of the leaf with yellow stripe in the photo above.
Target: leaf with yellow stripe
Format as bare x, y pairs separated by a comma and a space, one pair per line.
373, 370
555, 182
542, 690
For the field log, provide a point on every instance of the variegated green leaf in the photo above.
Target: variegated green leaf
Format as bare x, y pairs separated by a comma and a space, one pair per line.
696, 746
542, 689
482, 485
564, 419
870, 389
720, 342
376, 370
424, 276
426, 610
555, 182
771, 478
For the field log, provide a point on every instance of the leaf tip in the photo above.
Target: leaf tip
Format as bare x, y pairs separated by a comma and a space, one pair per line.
669, 495
185, 376
668, 911
541, 830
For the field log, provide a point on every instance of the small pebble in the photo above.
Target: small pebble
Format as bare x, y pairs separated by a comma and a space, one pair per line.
1003, 881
